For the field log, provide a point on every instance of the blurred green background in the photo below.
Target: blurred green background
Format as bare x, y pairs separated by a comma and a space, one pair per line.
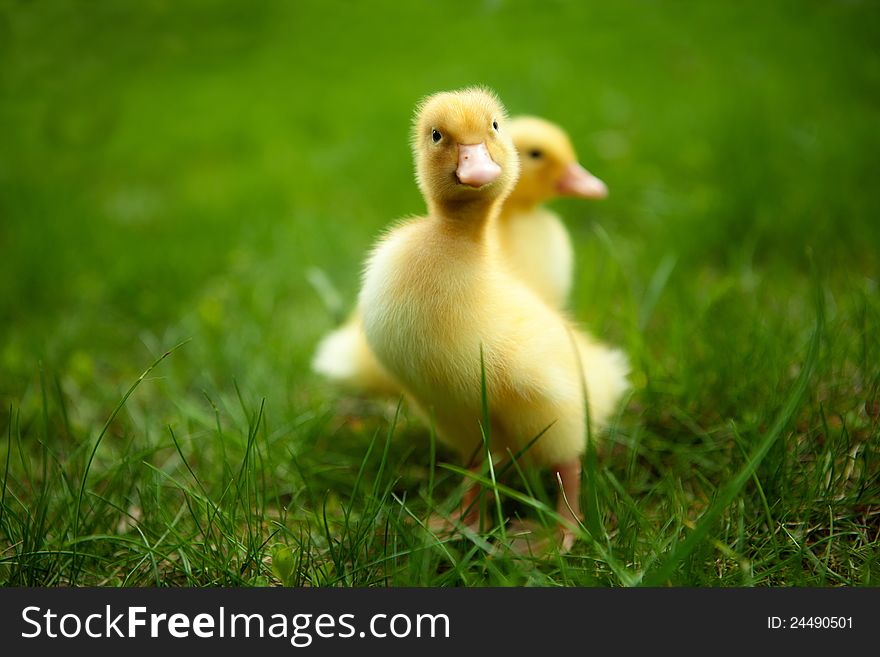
173, 171
151, 149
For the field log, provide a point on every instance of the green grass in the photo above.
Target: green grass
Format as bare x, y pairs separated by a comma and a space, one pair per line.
172, 176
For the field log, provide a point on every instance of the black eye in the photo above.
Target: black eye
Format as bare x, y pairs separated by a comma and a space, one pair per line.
436, 136
495, 125
535, 154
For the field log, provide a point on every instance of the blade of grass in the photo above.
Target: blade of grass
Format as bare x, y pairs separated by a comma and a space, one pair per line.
655, 288
486, 433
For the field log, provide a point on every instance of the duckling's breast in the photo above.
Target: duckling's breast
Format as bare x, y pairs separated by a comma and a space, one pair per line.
421, 302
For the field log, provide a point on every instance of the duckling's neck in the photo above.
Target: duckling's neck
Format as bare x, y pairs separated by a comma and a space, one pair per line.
514, 206
467, 219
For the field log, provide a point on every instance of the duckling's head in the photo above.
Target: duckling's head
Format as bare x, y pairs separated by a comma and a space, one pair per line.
463, 152
548, 164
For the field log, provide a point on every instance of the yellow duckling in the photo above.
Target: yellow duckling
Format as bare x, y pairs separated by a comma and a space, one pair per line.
437, 296
533, 239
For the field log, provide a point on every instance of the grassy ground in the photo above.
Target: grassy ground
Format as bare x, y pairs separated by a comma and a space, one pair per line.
179, 173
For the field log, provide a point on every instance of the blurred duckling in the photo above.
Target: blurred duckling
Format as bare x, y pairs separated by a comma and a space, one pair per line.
534, 242
344, 357
438, 299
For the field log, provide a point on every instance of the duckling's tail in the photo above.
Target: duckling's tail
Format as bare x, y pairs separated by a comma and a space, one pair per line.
345, 358
605, 372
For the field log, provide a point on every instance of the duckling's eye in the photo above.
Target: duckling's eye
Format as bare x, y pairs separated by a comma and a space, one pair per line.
535, 154
495, 125
436, 136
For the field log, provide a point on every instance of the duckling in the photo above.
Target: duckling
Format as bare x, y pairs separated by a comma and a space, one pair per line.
440, 306
535, 242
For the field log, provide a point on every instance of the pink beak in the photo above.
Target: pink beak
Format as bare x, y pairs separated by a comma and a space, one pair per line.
577, 181
475, 166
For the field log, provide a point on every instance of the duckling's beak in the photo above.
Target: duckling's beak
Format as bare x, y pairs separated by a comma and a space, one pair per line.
577, 181
475, 166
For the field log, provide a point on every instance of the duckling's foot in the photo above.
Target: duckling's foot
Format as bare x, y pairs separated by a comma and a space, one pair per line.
467, 515
440, 524
568, 539
529, 538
